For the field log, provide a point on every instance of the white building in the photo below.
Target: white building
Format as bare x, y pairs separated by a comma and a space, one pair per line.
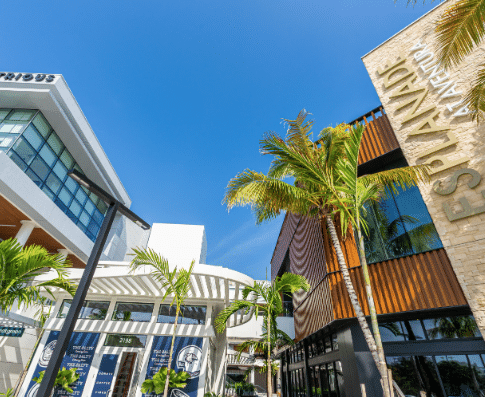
122, 334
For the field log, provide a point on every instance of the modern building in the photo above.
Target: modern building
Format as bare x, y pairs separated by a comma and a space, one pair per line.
425, 245
44, 134
124, 328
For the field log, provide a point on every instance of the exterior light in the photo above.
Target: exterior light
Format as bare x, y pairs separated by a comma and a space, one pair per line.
114, 206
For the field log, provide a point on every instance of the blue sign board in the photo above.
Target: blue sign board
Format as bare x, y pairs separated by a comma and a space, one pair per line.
187, 356
105, 375
79, 355
12, 331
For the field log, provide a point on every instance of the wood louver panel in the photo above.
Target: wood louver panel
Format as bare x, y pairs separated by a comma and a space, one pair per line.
284, 239
378, 138
416, 282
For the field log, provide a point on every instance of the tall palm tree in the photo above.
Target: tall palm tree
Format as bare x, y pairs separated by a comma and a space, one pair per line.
19, 266
460, 30
175, 283
266, 299
327, 187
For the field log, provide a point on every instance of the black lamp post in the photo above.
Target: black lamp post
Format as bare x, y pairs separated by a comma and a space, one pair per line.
114, 206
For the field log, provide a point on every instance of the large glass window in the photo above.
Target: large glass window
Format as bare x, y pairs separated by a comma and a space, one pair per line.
34, 146
448, 375
187, 315
91, 310
138, 312
399, 225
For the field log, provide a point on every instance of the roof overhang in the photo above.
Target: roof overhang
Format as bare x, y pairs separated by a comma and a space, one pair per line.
56, 101
213, 284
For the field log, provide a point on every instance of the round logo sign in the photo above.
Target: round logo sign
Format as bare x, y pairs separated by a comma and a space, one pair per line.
178, 393
189, 360
47, 353
33, 391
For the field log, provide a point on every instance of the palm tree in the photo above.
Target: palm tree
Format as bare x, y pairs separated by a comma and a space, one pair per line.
327, 187
175, 283
271, 306
19, 266
459, 31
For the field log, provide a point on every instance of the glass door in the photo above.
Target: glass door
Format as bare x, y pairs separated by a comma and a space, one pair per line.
125, 373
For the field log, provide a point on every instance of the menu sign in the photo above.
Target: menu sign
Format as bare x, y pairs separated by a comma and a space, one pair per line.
79, 355
187, 356
104, 378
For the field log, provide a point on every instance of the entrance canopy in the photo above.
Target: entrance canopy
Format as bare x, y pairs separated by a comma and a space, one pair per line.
207, 283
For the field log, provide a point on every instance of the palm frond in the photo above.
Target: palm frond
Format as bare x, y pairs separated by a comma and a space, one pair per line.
475, 98
459, 30
267, 196
404, 177
234, 307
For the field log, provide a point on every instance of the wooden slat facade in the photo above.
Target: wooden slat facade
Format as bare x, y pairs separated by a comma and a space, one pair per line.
416, 282
378, 138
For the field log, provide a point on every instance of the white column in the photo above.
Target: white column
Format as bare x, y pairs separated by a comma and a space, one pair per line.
25, 231
251, 376
64, 252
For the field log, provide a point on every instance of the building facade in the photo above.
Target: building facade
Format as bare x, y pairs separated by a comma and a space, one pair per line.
425, 245
43, 135
124, 330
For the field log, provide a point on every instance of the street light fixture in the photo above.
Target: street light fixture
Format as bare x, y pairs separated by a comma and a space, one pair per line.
114, 206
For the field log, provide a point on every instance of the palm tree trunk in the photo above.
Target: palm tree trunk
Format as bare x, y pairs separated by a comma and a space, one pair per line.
169, 364
382, 365
355, 301
268, 378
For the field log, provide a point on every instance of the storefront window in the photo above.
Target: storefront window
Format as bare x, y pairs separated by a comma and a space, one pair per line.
187, 315
451, 327
91, 310
399, 225
138, 312
124, 340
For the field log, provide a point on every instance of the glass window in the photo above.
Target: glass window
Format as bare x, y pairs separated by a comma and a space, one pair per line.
42, 125
340, 378
53, 182
391, 332
21, 115
48, 155
456, 375
67, 159
328, 344
415, 376
84, 218
399, 225
49, 192
91, 310
334, 342
75, 208
24, 150
4, 113
133, 312
17, 160
31, 150
65, 196
55, 143
32, 175
188, 314
81, 196
451, 327
33, 137
60, 170
123, 340
40, 168
413, 330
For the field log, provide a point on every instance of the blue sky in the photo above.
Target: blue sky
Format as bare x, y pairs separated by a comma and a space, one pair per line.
180, 92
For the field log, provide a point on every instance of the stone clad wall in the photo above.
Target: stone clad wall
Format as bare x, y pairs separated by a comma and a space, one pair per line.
446, 138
